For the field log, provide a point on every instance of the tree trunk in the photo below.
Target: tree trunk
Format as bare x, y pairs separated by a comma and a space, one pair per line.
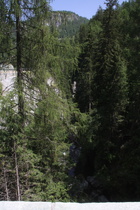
6, 184
17, 175
19, 68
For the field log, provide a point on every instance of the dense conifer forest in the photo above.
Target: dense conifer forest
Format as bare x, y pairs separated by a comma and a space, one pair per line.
78, 139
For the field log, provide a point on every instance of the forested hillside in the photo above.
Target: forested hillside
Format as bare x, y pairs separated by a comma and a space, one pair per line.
70, 125
66, 23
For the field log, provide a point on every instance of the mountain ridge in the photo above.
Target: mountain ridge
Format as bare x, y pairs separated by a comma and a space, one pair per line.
66, 22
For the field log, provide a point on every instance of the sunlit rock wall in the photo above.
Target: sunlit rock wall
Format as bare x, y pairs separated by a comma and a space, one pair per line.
7, 78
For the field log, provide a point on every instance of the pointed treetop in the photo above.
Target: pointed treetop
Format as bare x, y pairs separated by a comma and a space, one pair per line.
111, 3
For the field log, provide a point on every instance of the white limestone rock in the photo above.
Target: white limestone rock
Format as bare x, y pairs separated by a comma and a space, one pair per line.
7, 77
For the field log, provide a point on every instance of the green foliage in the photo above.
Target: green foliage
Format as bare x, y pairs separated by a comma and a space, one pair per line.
6, 38
109, 86
114, 128
38, 148
11, 135
88, 38
103, 61
71, 27
67, 23
57, 192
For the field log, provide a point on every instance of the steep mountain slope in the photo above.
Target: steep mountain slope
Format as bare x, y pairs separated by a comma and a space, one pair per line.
67, 23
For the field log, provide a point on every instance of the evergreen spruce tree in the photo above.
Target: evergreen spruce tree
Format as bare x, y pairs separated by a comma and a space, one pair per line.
13, 129
34, 134
129, 153
6, 39
109, 91
88, 38
83, 74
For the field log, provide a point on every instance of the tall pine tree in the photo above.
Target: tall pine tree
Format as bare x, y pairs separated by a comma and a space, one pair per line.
109, 90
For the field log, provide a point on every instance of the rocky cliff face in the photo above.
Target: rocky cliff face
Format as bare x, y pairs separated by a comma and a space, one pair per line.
7, 78
58, 18
67, 23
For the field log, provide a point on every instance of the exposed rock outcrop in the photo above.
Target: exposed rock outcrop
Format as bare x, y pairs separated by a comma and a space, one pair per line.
67, 23
7, 77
